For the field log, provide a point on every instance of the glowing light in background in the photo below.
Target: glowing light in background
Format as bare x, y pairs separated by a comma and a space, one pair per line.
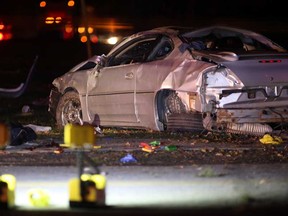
2, 26
68, 33
49, 20
58, 19
68, 28
42, 4
1, 36
71, 3
83, 39
81, 30
90, 30
94, 39
112, 40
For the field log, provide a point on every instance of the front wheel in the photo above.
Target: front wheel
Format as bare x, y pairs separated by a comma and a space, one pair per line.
69, 110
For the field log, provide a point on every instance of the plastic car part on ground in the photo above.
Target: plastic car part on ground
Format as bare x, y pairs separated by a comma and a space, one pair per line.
268, 139
21, 134
150, 147
170, 148
38, 128
128, 159
146, 147
156, 145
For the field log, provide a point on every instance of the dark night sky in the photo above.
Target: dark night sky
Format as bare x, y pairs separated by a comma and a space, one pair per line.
256, 9
263, 15
146, 13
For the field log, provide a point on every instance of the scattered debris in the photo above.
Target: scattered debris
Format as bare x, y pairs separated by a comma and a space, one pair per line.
59, 150
26, 109
38, 128
170, 148
268, 139
149, 150
146, 147
128, 159
21, 134
98, 130
155, 143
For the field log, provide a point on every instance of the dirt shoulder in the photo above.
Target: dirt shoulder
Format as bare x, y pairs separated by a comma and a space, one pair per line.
113, 144
130, 147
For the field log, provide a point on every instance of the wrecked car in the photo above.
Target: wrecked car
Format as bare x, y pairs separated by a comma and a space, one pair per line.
216, 78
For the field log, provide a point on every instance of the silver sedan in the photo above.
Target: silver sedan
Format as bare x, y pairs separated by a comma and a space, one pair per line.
216, 78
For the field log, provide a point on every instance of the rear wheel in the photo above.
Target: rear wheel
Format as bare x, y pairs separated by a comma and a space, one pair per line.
173, 114
168, 103
69, 110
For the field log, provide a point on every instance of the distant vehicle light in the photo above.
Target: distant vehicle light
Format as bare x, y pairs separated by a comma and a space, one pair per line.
90, 30
112, 40
49, 20
71, 3
42, 4
58, 19
7, 36
83, 39
94, 39
68, 28
2, 26
81, 30
1, 36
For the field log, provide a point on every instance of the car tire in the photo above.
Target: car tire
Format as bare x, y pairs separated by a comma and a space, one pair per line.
69, 110
168, 104
173, 114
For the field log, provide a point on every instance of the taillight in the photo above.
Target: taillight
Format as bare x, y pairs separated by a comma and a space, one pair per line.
270, 61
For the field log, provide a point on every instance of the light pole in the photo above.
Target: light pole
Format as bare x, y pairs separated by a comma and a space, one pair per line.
84, 17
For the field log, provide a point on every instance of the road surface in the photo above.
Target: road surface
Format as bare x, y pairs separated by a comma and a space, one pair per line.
234, 188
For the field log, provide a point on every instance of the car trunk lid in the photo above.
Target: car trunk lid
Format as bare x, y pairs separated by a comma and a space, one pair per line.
265, 69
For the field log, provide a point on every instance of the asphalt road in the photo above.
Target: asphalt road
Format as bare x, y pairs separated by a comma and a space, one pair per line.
170, 190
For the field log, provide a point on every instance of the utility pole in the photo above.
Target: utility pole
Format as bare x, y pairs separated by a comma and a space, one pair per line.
84, 18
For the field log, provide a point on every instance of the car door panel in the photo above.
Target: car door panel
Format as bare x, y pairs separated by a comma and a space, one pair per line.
112, 98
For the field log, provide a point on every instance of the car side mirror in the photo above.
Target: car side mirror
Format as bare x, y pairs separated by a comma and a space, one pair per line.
100, 62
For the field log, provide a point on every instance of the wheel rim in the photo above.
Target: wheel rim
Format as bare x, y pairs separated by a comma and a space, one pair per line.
71, 113
173, 104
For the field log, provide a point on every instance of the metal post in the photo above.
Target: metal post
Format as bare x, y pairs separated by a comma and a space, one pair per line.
84, 17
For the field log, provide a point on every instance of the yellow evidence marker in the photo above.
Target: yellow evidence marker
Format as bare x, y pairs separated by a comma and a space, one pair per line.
78, 136
7, 191
89, 191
